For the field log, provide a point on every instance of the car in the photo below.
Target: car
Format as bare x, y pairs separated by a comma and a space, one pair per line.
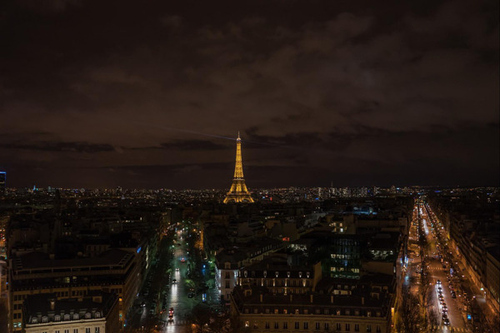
191, 295
438, 281
174, 281
177, 269
453, 295
445, 309
183, 259
446, 321
171, 312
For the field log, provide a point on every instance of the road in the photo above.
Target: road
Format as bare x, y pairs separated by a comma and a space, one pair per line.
475, 311
180, 287
189, 291
440, 278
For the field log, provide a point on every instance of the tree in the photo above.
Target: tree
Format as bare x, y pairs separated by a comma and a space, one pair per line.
220, 322
200, 316
433, 320
410, 310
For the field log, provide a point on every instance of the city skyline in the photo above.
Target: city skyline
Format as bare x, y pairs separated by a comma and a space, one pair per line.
100, 95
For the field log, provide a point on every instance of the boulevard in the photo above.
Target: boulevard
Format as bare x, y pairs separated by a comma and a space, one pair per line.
179, 290
451, 300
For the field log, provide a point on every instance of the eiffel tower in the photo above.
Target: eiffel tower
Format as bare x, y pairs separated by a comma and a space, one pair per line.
238, 191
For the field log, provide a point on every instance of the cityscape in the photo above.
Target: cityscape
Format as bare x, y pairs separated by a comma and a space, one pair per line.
256, 166
295, 259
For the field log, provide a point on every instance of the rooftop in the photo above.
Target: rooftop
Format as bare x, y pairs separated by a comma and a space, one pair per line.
46, 308
38, 260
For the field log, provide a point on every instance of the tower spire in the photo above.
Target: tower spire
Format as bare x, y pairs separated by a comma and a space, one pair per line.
238, 191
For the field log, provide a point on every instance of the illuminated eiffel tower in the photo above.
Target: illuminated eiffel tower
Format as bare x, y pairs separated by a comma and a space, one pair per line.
238, 191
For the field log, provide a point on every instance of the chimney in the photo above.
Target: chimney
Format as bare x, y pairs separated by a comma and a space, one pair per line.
261, 298
331, 299
312, 299
52, 304
362, 300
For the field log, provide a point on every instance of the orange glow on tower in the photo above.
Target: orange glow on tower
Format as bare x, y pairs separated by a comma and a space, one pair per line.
238, 191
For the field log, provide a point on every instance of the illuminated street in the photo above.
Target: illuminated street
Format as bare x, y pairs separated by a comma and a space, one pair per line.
447, 309
450, 308
178, 296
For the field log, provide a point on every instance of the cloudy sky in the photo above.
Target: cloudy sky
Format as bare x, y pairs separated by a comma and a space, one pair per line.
151, 94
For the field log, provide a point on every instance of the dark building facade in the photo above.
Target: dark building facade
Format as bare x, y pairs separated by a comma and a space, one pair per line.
3, 182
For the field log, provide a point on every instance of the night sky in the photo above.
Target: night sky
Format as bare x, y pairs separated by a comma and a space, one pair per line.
151, 94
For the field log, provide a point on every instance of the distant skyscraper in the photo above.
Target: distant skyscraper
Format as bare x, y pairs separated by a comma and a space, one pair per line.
238, 191
3, 181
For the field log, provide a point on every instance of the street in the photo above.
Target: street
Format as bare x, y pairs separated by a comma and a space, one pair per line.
438, 272
443, 312
178, 287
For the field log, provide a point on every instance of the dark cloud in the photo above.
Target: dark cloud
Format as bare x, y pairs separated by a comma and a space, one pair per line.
79, 147
309, 85
193, 145
49, 6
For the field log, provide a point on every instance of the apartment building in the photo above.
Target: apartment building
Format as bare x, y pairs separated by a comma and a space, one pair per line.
115, 271
95, 313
